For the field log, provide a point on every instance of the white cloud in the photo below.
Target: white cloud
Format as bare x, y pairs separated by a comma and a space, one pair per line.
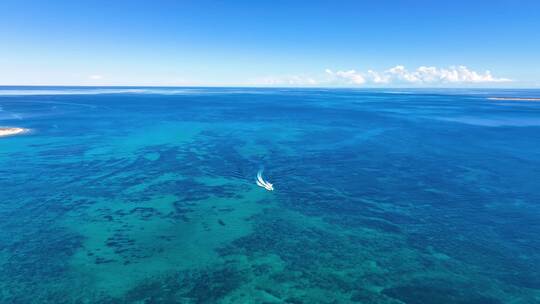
95, 77
397, 75
460, 74
378, 77
399, 72
287, 80
351, 76
423, 75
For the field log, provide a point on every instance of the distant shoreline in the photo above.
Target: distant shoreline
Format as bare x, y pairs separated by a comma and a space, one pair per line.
12, 131
515, 98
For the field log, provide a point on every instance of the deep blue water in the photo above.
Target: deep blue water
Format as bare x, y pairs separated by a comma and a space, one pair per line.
148, 195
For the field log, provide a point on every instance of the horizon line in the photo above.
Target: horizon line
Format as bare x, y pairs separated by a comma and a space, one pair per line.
266, 87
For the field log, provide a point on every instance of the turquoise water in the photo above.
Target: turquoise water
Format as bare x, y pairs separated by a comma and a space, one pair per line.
148, 195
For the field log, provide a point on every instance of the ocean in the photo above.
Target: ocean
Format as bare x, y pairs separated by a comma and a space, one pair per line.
150, 195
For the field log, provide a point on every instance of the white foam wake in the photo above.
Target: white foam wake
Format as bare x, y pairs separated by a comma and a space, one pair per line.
262, 183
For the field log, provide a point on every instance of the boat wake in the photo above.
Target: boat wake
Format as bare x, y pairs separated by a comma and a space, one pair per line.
262, 183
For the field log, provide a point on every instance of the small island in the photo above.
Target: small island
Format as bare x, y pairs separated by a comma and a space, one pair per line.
11, 131
515, 98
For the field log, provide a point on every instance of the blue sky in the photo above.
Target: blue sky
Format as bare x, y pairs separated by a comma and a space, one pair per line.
271, 43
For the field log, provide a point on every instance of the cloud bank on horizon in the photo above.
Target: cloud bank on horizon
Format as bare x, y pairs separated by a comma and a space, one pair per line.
397, 75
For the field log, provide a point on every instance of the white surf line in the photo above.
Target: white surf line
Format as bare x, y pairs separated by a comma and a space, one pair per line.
262, 183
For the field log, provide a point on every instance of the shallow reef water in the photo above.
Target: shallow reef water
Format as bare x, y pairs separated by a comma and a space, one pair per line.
148, 195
